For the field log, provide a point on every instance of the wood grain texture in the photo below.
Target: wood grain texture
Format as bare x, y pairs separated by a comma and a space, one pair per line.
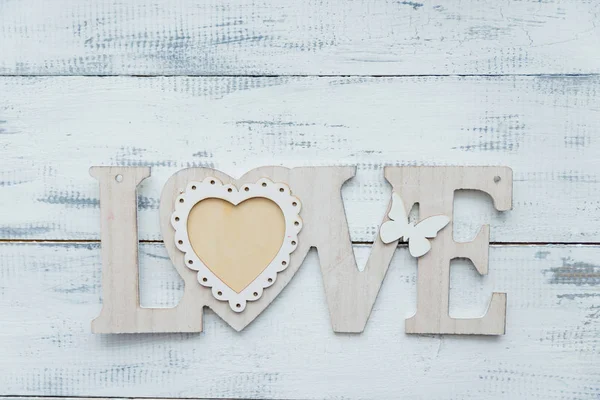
236, 242
545, 128
550, 349
246, 37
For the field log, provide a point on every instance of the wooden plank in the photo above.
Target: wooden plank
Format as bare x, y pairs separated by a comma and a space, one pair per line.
50, 292
544, 128
231, 37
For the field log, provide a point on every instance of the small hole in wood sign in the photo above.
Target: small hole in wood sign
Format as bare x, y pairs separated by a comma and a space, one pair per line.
237, 240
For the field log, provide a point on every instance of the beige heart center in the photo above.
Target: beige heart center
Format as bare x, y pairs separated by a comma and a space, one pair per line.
236, 242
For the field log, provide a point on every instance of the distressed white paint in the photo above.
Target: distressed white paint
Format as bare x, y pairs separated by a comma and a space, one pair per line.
544, 128
49, 292
242, 37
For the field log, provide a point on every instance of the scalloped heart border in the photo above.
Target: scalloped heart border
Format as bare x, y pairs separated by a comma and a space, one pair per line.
212, 187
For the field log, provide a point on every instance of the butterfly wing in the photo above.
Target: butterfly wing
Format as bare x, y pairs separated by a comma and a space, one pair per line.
429, 227
393, 230
397, 211
418, 246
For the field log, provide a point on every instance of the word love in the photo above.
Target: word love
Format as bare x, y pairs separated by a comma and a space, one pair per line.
238, 242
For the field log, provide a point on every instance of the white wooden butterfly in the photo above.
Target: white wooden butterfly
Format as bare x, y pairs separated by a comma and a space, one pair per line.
416, 234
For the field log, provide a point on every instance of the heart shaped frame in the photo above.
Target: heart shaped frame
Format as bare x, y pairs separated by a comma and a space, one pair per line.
211, 187
189, 311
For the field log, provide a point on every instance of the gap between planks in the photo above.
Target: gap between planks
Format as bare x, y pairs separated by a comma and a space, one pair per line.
36, 241
574, 75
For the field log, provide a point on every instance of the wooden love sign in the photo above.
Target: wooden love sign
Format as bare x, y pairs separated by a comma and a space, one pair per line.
238, 242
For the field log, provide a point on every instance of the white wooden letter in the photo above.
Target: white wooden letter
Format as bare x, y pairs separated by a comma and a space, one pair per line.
121, 310
433, 188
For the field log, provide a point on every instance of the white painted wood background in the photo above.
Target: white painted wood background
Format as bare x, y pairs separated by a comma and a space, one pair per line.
295, 83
